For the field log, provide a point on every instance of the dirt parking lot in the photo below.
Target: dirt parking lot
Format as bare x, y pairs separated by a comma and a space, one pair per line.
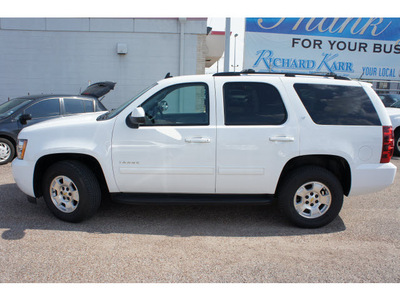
156, 243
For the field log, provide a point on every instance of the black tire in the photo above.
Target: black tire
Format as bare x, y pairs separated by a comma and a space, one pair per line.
397, 143
77, 185
315, 192
7, 151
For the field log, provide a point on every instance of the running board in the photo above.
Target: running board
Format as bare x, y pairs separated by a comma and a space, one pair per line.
197, 199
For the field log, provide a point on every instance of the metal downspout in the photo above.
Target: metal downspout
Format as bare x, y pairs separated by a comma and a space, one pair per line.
182, 45
227, 43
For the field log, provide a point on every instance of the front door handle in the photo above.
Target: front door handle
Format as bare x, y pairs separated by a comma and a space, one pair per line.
284, 139
198, 140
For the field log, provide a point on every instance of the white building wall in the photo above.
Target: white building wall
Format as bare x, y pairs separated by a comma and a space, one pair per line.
46, 55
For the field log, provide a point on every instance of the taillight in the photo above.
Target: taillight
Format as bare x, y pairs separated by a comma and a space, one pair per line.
387, 144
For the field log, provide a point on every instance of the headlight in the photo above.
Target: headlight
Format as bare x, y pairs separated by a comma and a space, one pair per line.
21, 148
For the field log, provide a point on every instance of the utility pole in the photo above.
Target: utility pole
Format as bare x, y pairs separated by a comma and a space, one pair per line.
234, 56
227, 43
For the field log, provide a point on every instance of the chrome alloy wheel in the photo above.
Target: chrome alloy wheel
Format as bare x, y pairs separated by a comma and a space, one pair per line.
312, 200
64, 194
5, 151
397, 144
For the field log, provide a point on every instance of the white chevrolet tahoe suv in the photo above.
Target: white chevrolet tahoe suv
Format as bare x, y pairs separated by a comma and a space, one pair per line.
304, 141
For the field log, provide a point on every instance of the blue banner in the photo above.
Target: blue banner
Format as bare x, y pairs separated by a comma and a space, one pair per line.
387, 29
367, 48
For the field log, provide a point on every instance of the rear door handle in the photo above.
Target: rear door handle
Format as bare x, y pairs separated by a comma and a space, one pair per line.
198, 140
284, 139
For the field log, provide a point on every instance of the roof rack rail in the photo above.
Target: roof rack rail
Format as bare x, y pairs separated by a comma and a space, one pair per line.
251, 71
228, 74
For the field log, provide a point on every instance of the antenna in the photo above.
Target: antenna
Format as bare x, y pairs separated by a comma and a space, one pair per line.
361, 75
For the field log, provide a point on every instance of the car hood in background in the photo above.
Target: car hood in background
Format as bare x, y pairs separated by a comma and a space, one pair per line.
99, 89
392, 111
65, 122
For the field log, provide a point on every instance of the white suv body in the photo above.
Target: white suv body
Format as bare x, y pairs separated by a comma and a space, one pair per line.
213, 135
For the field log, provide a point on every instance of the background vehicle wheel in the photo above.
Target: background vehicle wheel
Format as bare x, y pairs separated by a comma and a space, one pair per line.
311, 197
71, 191
7, 151
397, 143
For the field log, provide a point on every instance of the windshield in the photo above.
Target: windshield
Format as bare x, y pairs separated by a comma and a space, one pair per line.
395, 97
113, 113
396, 104
9, 107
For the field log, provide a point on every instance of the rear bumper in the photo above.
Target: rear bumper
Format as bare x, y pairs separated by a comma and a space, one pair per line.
23, 175
372, 178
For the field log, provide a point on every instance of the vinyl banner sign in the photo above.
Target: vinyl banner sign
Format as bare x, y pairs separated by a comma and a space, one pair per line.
367, 48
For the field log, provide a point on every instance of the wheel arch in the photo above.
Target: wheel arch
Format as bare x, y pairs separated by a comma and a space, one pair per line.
396, 133
46, 161
335, 164
8, 137
396, 130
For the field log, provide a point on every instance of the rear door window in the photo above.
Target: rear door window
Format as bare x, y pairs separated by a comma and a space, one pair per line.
76, 106
337, 105
253, 103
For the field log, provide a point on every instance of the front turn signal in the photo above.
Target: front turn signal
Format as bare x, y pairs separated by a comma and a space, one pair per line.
21, 147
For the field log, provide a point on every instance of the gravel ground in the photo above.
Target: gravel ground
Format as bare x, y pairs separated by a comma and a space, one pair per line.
199, 244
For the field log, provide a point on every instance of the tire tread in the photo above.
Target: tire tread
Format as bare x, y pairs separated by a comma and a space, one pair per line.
89, 189
294, 180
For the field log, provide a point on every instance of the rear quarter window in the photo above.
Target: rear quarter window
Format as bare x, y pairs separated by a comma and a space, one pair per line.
337, 105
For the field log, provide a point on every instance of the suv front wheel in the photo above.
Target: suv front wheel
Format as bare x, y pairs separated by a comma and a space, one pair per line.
311, 197
71, 191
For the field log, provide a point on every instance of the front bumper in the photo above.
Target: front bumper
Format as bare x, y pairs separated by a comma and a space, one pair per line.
23, 172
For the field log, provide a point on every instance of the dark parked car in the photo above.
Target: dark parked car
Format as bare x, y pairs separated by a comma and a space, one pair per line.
24, 111
389, 99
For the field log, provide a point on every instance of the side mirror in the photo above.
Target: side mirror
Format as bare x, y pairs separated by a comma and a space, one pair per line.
135, 118
163, 105
25, 117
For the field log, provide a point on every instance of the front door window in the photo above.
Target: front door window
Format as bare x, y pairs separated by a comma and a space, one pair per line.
178, 105
44, 109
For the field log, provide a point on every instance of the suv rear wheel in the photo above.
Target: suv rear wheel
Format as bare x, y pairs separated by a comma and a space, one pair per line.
71, 191
311, 197
397, 143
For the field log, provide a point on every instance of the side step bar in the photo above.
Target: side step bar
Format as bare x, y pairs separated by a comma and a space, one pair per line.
191, 199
